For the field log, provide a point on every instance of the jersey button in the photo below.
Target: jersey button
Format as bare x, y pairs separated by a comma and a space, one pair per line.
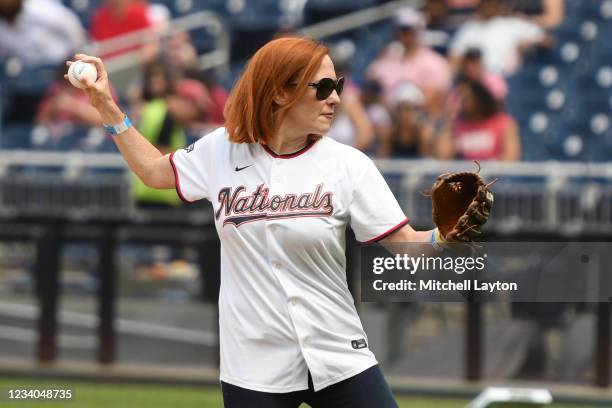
277, 265
273, 228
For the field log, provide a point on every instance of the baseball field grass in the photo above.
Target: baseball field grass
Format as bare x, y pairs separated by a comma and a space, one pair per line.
105, 395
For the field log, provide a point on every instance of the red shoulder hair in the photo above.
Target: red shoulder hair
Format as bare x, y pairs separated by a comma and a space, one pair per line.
251, 114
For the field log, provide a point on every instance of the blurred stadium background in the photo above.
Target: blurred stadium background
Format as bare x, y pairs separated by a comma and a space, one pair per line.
102, 282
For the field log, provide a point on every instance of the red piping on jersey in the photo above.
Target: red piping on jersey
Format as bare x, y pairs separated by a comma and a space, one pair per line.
177, 184
290, 155
386, 233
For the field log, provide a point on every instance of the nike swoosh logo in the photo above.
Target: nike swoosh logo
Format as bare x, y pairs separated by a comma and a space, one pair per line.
242, 168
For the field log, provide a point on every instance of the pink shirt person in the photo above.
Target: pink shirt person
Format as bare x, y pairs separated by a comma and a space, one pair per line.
481, 139
425, 68
408, 60
478, 129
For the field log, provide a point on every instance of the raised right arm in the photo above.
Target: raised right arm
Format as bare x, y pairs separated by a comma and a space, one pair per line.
144, 159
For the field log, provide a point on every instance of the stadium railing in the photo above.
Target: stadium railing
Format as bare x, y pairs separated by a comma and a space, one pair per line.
571, 199
531, 197
356, 19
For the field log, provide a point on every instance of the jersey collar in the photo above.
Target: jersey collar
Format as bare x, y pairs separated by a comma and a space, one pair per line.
303, 150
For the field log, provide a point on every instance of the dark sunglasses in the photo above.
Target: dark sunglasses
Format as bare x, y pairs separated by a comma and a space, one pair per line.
326, 86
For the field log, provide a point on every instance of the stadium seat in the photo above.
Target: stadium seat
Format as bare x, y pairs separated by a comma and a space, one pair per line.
599, 124
523, 104
601, 148
574, 147
595, 104
32, 78
316, 11
15, 137
556, 100
526, 78
203, 40
572, 6
548, 76
250, 31
85, 139
23, 86
183, 7
566, 143
600, 52
566, 32
596, 139
537, 133
597, 10
567, 57
592, 31
84, 9
533, 151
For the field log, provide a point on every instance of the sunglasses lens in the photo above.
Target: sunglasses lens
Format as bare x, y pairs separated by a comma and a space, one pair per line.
340, 86
326, 86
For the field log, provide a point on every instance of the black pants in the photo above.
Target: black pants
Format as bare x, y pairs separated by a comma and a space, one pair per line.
364, 390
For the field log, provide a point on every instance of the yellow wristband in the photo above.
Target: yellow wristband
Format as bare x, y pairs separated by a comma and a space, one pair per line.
436, 240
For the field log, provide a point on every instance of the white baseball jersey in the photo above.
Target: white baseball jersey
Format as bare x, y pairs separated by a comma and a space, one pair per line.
284, 305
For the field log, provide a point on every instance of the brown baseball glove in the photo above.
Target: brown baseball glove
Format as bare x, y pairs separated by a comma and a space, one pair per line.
461, 205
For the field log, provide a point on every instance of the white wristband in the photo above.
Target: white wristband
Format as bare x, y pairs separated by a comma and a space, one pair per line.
120, 127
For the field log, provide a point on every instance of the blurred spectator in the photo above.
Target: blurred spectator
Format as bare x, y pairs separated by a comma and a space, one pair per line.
436, 15
371, 98
189, 103
64, 103
443, 18
463, 4
548, 14
163, 122
471, 67
118, 17
351, 125
411, 136
459, 11
501, 38
481, 131
158, 82
179, 51
438, 26
218, 95
411, 61
39, 32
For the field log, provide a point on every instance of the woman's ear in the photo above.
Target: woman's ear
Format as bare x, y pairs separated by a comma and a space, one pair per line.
281, 98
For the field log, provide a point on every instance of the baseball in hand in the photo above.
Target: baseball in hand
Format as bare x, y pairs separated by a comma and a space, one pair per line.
79, 70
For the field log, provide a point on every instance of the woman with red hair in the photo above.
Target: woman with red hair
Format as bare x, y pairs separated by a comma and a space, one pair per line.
283, 196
